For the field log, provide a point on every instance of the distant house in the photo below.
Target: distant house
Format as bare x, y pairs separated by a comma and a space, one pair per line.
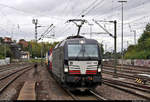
7, 40
25, 55
23, 42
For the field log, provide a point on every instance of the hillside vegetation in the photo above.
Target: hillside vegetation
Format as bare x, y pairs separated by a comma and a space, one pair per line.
142, 49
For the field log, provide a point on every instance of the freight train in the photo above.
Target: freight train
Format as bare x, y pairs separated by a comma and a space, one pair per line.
76, 63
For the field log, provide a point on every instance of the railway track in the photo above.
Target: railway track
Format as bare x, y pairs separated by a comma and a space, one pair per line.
87, 95
132, 71
6, 80
134, 68
77, 95
8, 68
138, 90
123, 75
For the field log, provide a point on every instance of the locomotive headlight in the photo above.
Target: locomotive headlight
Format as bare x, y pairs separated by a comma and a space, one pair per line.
65, 69
99, 69
82, 41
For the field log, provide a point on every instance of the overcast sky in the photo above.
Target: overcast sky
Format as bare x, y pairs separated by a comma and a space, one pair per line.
16, 18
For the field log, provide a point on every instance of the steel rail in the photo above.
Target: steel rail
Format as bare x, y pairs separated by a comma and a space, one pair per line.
11, 81
123, 75
13, 73
66, 90
9, 68
140, 68
127, 84
120, 75
124, 71
126, 89
99, 97
72, 95
128, 70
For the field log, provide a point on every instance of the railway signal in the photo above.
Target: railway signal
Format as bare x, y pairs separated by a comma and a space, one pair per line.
35, 21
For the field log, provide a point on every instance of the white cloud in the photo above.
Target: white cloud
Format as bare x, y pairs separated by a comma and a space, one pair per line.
58, 12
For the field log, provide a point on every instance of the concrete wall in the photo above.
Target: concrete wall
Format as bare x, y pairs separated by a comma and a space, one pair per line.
4, 61
145, 63
125, 62
136, 62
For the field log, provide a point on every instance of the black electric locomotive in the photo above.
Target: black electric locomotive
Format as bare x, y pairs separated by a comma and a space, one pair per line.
76, 63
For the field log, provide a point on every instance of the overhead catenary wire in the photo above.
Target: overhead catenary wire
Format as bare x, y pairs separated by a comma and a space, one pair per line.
88, 7
86, 10
94, 7
47, 31
32, 13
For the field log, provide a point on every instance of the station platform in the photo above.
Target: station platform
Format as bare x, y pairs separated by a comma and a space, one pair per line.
28, 91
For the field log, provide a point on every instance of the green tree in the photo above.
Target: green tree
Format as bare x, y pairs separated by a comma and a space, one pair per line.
148, 27
1, 40
35, 48
142, 49
145, 35
2, 51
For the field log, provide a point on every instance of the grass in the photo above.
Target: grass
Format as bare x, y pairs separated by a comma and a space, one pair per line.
34, 60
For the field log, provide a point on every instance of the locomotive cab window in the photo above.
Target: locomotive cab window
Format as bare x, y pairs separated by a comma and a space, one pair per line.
74, 50
82, 50
91, 50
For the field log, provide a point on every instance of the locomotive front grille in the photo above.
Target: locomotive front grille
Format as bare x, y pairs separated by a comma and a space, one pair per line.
83, 67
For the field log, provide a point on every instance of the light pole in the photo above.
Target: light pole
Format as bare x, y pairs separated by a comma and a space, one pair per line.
122, 2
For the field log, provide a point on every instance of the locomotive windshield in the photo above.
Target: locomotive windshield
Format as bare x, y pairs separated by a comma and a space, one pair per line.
83, 50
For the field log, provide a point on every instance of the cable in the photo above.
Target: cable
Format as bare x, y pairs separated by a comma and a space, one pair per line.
94, 2
23, 11
88, 7
94, 7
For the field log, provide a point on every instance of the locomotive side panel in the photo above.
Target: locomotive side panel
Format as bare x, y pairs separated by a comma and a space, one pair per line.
56, 62
61, 64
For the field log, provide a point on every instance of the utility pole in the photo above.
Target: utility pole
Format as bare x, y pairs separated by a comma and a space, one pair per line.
134, 36
105, 48
42, 53
115, 42
5, 50
115, 47
90, 30
127, 44
122, 2
35, 21
134, 31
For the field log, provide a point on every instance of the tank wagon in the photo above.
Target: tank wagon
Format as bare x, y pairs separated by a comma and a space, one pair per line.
76, 63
